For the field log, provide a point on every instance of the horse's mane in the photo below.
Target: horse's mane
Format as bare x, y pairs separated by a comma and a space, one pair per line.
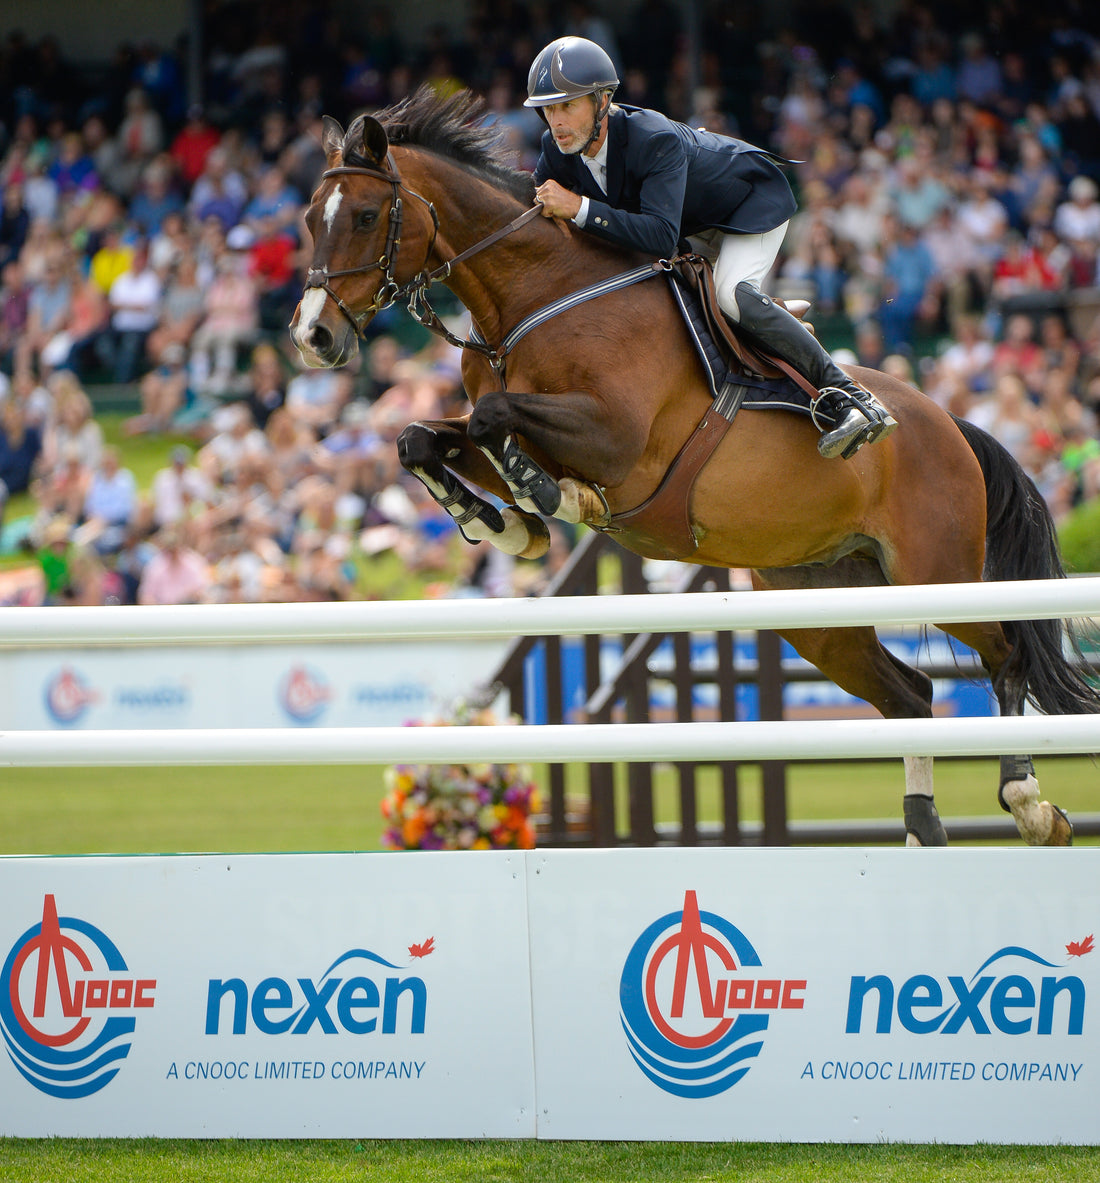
450, 127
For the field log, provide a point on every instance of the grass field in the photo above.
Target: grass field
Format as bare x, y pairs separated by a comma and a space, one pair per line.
68, 1160
332, 807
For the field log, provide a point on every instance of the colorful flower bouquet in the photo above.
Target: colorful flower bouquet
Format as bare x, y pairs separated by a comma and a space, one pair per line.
459, 806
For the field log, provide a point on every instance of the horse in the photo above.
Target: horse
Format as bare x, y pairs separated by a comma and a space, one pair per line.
581, 408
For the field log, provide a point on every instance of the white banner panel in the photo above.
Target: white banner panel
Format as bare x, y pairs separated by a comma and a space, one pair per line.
817, 995
809, 995
380, 684
266, 996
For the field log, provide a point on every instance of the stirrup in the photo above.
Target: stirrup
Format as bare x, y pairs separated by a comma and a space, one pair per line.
863, 420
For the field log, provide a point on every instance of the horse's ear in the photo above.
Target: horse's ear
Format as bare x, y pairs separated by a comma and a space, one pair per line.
376, 144
332, 140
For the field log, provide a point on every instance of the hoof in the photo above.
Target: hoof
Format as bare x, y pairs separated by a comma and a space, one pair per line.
537, 530
1061, 828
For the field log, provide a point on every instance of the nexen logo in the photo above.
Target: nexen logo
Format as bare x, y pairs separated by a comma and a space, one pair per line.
1012, 1004
330, 1005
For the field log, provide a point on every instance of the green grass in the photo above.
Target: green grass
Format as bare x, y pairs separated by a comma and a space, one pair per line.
336, 807
72, 1160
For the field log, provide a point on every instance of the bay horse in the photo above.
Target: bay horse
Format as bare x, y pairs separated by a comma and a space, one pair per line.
581, 414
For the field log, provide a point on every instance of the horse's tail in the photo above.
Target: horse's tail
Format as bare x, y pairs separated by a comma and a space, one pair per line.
1021, 543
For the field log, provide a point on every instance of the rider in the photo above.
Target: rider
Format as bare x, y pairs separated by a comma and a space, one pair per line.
636, 178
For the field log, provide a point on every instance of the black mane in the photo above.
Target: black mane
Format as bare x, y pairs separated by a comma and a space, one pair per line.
451, 128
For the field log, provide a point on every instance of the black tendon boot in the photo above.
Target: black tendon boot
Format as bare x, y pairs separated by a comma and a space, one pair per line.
860, 417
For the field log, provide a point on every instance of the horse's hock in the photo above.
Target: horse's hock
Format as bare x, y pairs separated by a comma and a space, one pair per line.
590, 811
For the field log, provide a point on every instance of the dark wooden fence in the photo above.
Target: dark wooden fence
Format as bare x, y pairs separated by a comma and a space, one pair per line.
583, 812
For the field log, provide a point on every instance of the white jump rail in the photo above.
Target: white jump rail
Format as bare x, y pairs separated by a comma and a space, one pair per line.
594, 743
427, 620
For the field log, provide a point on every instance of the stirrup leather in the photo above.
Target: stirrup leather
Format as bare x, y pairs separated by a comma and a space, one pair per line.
861, 419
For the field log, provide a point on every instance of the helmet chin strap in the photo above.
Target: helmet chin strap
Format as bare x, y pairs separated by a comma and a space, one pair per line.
596, 124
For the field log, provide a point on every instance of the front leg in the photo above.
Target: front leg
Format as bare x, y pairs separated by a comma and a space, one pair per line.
431, 450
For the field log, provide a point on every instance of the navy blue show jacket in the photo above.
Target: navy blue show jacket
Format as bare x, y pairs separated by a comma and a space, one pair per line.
666, 181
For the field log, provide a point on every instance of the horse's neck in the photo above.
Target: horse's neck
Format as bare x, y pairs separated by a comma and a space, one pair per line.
513, 277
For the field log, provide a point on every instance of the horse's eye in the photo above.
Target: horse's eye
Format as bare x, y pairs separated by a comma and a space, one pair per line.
367, 219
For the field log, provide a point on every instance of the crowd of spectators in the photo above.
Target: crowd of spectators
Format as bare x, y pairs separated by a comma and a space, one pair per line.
947, 167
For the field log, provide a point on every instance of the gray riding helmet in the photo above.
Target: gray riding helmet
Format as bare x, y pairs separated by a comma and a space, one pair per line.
567, 68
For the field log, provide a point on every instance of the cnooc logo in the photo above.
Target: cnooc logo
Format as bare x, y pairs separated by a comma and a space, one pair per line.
695, 1002
67, 1005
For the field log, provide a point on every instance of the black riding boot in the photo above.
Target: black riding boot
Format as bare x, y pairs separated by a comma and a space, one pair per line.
860, 417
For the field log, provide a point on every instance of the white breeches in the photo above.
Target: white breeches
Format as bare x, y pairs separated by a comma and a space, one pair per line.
742, 258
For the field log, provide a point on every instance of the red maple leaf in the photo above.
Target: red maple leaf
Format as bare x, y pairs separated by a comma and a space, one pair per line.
423, 950
1080, 948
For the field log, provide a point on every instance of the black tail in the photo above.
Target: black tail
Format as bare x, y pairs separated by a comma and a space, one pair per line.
1021, 543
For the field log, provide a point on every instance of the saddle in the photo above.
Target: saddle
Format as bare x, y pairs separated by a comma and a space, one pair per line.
739, 375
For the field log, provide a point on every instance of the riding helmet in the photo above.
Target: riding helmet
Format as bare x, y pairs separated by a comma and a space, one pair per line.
567, 68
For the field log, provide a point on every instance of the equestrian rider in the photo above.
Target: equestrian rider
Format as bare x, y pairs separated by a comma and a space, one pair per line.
636, 178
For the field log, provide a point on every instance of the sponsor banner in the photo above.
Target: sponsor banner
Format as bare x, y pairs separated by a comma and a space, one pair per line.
817, 995
810, 995
266, 996
370, 685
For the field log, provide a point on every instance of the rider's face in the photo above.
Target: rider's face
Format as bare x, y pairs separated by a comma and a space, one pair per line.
570, 123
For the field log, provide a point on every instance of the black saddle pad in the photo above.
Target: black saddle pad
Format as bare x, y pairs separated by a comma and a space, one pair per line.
764, 394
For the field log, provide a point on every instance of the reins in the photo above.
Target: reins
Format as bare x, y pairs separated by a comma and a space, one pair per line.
416, 290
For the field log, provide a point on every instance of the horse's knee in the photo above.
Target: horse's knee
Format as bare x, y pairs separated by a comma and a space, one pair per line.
416, 447
491, 420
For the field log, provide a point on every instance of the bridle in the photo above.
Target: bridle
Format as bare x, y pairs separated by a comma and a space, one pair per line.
320, 277
417, 287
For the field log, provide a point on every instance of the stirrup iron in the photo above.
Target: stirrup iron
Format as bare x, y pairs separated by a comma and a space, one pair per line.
861, 419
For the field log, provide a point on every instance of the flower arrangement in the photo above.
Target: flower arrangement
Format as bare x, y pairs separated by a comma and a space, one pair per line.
460, 806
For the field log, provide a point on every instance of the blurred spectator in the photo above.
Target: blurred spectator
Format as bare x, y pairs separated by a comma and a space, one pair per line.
164, 393
154, 200
140, 138
48, 312
266, 384
220, 191
20, 445
135, 309
15, 221
1078, 219
231, 321
179, 490
14, 308
181, 310
192, 145
110, 504
1018, 352
112, 258
908, 294
74, 428
176, 574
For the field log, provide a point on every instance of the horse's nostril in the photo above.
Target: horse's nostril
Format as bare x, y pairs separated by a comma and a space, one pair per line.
321, 339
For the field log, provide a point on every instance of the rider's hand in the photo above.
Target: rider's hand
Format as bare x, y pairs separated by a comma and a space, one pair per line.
556, 201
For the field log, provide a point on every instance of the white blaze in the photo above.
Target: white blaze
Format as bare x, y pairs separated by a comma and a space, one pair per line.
332, 206
312, 303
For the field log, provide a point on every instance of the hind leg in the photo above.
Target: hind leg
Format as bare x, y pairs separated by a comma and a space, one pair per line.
1040, 823
857, 662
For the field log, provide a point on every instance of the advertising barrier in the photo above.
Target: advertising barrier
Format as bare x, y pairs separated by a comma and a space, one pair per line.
324, 685
811, 995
